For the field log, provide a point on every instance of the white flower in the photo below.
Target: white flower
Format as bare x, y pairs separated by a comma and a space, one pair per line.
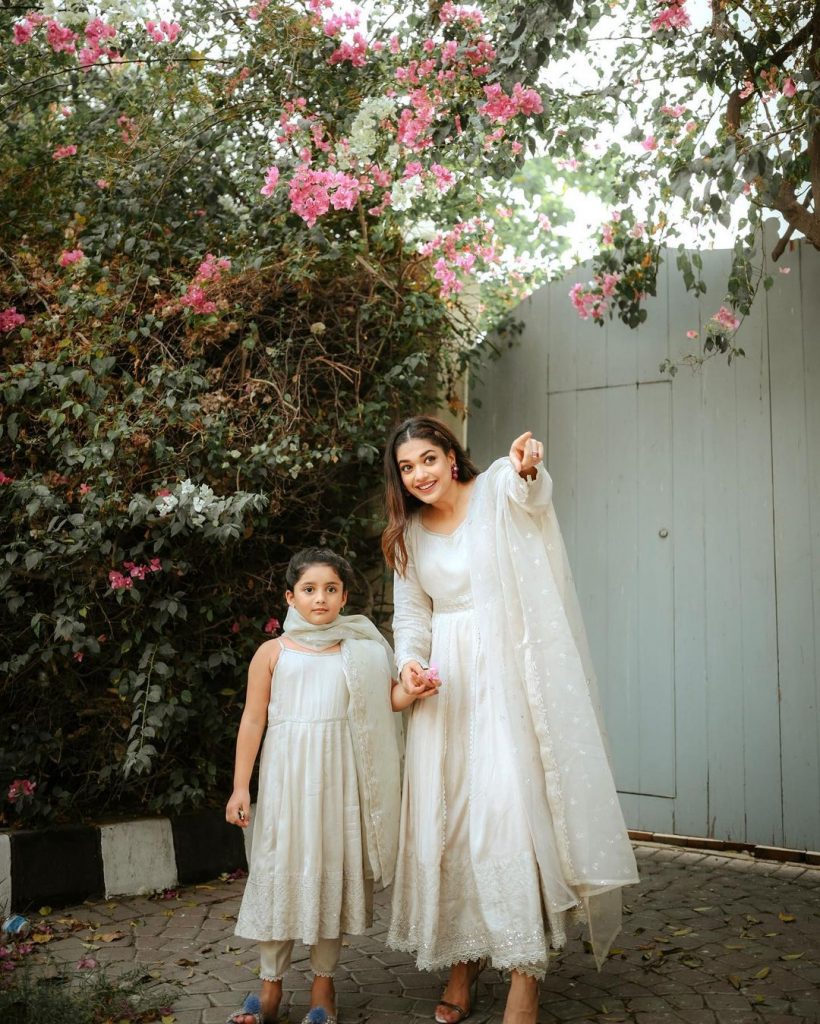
166, 504
404, 192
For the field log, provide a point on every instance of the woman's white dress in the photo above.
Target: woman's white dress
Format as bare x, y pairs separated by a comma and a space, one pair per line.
471, 881
307, 867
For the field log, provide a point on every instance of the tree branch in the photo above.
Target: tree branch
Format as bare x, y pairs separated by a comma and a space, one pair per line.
799, 217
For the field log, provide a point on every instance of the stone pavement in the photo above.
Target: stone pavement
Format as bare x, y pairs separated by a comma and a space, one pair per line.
707, 939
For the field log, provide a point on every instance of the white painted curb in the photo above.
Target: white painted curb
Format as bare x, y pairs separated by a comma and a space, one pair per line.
138, 857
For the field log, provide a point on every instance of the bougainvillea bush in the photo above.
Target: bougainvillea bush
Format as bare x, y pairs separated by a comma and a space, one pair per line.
234, 249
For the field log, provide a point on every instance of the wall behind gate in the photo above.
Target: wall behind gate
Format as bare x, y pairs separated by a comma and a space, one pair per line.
691, 511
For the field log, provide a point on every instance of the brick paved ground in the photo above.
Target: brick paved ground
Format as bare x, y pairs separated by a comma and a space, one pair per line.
707, 940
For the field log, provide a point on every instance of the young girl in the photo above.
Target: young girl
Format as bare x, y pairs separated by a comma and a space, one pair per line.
327, 812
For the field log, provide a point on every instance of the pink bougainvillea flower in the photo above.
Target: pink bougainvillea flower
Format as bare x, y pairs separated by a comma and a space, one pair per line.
86, 963
129, 129
85, 488
726, 320
257, 9
608, 283
272, 626
673, 111
467, 16
691, 334
21, 787
650, 143
607, 235
61, 152
788, 88
747, 90
211, 268
102, 183
162, 31
69, 256
117, 581
235, 627
784, 270
197, 300
163, 492
23, 32
355, 52
444, 179
78, 655
673, 16
10, 318
5, 479
271, 181
60, 38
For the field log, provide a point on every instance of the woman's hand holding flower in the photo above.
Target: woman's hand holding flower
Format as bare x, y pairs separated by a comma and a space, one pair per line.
418, 682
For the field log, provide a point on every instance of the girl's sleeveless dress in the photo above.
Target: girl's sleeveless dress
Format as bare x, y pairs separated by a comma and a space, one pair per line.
307, 866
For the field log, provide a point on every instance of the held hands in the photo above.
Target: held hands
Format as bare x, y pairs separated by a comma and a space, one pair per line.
419, 683
238, 809
525, 454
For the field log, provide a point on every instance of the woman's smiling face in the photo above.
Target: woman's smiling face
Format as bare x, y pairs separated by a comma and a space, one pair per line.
426, 470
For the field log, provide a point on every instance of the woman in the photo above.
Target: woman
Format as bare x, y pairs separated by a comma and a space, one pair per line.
510, 818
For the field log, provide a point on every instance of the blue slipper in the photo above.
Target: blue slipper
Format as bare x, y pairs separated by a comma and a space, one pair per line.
252, 1007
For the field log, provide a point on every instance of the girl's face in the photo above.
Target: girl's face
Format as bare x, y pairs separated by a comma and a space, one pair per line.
425, 470
319, 594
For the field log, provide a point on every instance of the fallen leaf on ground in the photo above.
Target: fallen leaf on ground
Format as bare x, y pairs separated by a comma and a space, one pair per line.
682, 931
40, 937
786, 918
763, 973
44, 911
785, 956
109, 937
734, 980
183, 962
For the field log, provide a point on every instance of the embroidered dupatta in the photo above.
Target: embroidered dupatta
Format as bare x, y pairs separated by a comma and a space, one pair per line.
367, 661
529, 624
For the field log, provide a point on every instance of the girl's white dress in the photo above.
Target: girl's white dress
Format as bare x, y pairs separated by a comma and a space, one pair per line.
307, 867
509, 812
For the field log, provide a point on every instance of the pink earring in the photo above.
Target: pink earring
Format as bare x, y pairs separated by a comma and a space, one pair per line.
454, 471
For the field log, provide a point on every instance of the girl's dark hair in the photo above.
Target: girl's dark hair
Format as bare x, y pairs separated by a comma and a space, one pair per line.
398, 501
318, 556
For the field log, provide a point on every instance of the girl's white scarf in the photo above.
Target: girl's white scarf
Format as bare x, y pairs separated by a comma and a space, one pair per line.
367, 661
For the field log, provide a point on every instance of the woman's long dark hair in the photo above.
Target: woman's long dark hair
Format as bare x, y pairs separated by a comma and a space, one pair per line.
399, 502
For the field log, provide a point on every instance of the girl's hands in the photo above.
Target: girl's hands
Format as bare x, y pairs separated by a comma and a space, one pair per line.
419, 683
525, 454
238, 809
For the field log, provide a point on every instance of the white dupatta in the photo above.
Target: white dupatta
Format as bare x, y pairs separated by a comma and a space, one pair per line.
367, 661
530, 628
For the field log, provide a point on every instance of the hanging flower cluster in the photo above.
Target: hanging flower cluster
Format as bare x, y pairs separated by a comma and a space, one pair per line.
385, 161
672, 16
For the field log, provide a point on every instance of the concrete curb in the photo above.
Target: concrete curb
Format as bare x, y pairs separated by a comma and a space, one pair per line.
67, 864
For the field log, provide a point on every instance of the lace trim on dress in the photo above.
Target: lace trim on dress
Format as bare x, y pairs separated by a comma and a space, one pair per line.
504, 892
293, 906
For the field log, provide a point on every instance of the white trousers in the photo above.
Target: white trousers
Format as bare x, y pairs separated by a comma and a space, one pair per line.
275, 957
